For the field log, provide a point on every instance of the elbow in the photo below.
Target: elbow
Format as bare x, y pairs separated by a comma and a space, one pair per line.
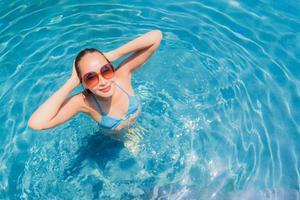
34, 125
158, 35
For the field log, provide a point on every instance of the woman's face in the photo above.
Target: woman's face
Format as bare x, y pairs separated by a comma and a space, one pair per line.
92, 62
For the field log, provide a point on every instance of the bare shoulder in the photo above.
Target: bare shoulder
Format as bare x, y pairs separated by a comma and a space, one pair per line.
88, 105
81, 99
124, 78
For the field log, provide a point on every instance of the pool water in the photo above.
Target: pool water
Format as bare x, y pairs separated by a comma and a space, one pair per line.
220, 101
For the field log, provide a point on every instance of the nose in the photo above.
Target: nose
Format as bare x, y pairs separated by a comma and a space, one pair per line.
102, 81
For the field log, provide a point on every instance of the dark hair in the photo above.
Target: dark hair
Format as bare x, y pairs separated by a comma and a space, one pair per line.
79, 57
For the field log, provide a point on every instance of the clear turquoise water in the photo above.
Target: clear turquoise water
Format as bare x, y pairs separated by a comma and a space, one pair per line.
220, 99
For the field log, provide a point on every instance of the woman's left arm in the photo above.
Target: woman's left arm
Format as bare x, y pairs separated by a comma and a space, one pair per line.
143, 47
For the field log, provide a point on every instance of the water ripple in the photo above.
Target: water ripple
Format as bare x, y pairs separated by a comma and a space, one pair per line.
219, 108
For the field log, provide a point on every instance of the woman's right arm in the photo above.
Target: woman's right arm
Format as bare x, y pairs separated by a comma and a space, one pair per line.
58, 108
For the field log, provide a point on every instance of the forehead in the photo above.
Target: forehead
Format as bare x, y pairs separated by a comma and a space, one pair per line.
91, 62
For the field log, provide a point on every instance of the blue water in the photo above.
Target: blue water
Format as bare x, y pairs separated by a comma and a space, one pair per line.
220, 101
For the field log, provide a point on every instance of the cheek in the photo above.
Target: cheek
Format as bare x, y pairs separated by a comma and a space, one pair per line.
85, 87
113, 79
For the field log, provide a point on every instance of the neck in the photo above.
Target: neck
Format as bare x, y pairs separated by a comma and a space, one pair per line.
105, 99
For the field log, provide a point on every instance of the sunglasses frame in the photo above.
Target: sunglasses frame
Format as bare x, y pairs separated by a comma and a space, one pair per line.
97, 74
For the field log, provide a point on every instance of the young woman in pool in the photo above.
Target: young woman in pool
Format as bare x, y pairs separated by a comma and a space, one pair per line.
108, 96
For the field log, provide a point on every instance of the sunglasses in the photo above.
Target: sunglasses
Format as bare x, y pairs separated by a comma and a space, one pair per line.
91, 79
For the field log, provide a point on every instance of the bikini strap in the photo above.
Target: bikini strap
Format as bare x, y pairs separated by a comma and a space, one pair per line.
97, 103
119, 86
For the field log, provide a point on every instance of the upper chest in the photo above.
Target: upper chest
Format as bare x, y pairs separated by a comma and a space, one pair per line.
117, 109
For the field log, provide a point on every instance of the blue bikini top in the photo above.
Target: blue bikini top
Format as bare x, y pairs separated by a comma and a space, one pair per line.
112, 122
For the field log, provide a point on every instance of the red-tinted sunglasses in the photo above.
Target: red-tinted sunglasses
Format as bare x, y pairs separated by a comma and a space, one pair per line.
91, 79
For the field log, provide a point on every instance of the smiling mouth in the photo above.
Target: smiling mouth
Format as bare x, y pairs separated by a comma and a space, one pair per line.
105, 89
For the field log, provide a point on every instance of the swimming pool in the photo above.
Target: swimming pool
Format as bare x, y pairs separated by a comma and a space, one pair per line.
220, 101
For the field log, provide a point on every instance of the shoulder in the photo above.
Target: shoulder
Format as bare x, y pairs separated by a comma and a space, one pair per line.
123, 74
88, 106
125, 83
82, 101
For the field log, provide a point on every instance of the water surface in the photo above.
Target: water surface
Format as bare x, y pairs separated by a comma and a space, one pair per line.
220, 98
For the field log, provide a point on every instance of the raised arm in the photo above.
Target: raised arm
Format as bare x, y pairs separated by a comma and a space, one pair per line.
143, 47
58, 108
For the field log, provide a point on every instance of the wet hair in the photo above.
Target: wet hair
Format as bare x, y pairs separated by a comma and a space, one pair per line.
80, 56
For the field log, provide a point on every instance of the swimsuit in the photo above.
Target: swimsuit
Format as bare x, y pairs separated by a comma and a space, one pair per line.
113, 122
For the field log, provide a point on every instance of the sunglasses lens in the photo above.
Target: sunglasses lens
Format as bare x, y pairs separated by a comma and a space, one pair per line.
91, 79
107, 71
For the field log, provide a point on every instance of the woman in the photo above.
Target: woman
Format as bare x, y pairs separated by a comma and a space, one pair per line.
108, 96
